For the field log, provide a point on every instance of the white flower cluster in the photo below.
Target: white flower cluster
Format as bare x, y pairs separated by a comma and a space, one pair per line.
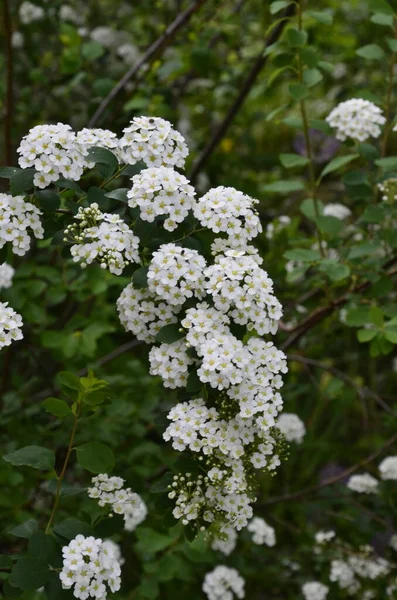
104, 237
226, 210
10, 325
90, 567
388, 468
388, 189
101, 138
16, 218
314, 590
144, 314
110, 492
226, 541
357, 119
6, 275
277, 225
154, 141
292, 427
363, 484
323, 537
52, 151
262, 533
29, 12
176, 274
244, 291
343, 575
339, 211
162, 192
171, 362
223, 583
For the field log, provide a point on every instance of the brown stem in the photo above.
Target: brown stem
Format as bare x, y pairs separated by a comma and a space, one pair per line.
63, 471
331, 480
164, 40
9, 84
246, 87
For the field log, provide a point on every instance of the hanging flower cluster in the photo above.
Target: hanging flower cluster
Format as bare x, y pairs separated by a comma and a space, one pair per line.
292, 427
17, 217
110, 493
357, 119
262, 533
223, 583
103, 237
10, 325
90, 567
6, 275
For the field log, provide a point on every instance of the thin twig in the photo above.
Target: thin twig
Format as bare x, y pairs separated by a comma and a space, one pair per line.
331, 480
362, 391
9, 84
256, 68
164, 39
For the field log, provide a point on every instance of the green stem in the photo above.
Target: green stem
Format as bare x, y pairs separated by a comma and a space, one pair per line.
63, 471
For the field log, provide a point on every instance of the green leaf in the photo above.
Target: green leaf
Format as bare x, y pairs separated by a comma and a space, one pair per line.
92, 50
150, 540
312, 77
104, 157
296, 37
95, 457
57, 407
149, 588
8, 172
310, 57
373, 214
49, 200
302, 254
284, 187
44, 546
308, 208
25, 530
69, 380
376, 316
32, 456
323, 16
298, 91
365, 335
170, 334
387, 164
5, 562
381, 6
30, 573
290, 161
355, 178
391, 336
334, 270
371, 52
368, 151
120, 195
139, 278
22, 181
357, 316
382, 19
193, 384
330, 225
363, 249
337, 163
277, 6
69, 528
392, 43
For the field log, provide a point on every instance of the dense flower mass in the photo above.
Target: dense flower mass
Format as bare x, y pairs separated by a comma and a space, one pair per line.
6, 275
110, 493
388, 468
223, 583
90, 567
357, 119
225, 542
17, 217
162, 192
103, 237
363, 484
262, 533
10, 325
101, 138
314, 590
154, 141
339, 211
171, 362
176, 274
29, 12
292, 427
226, 210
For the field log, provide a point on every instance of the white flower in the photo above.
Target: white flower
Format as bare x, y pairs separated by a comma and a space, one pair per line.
103, 237
91, 138
226, 210
314, 590
344, 576
171, 362
393, 542
322, 537
110, 493
162, 191
357, 119
128, 53
388, 468
10, 325
106, 36
17, 39
154, 141
336, 210
17, 217
262, 532
29, 12
68, 13
223, 583
363, 484
6, 275
388, 188
90, 565
292, 427
226, 541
